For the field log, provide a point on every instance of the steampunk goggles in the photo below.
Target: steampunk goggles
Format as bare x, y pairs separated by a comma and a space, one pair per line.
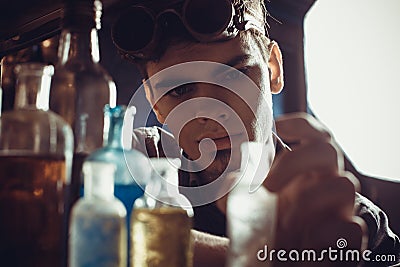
139, 30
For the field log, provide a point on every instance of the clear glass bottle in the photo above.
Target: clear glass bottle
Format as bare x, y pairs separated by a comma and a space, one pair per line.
251, 209
98, 230
161, 221
36, 148
81, 87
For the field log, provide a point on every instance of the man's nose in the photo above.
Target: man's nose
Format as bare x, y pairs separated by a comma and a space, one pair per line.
216, 115
209, 104
208, 108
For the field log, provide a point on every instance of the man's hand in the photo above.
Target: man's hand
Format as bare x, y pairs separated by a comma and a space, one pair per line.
316, 196
209, 250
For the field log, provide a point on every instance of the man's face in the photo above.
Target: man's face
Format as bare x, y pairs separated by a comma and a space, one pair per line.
211, 120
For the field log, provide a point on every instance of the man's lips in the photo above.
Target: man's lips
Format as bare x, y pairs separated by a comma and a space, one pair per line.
220, 140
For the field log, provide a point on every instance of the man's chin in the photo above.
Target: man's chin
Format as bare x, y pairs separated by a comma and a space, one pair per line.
221, 165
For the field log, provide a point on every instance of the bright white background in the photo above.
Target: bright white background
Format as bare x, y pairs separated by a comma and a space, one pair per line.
353, 73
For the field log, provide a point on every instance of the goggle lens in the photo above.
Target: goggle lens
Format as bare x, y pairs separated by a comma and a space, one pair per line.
134, 29
208, 16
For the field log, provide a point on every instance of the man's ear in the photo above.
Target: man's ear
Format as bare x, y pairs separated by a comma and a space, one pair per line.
275, 66
150, 99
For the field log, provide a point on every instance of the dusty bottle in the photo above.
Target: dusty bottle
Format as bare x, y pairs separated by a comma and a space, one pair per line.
161, 221
36, 148
132, 171
98, 230
251, 209
132, 167
81, 87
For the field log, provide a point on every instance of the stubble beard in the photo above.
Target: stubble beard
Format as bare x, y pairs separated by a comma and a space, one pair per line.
217, 168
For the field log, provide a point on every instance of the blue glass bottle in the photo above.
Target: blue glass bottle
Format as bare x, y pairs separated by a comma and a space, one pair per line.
98, 222
132, 172
132, 167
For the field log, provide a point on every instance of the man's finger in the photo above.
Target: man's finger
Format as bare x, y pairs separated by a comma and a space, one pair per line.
301, 127
321, 200
319, 156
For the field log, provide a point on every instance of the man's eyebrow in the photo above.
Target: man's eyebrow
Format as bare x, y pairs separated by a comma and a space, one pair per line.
237, 60
169, 83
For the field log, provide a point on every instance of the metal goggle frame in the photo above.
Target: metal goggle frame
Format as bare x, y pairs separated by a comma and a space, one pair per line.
138, 30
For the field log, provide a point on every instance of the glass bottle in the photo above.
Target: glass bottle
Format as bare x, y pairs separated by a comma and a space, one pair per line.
98, 221
36, 148
132, 171
161, 221
251, 209
81, 87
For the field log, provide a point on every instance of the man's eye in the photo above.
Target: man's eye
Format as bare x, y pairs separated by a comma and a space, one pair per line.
180, 91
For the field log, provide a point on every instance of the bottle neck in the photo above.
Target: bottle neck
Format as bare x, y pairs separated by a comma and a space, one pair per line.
33, 87
98, 180
118, 126
114, 136
164, 180
78, 46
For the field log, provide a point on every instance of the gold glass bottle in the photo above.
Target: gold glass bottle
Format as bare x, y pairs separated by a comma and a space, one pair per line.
161, 222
